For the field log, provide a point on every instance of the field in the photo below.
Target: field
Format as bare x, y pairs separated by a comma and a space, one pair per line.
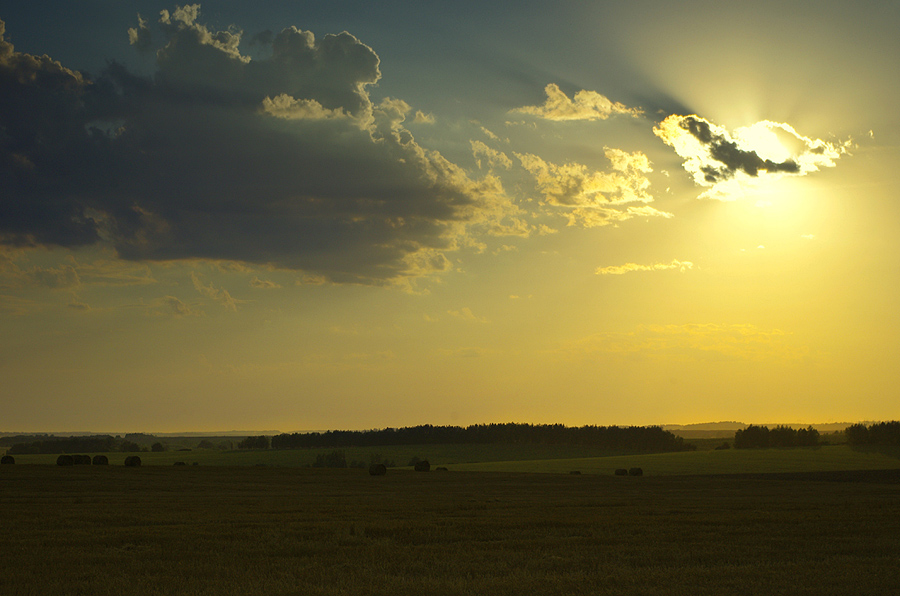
278, 531
544, 458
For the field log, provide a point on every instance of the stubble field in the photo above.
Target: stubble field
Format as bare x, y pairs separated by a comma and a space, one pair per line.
277, 531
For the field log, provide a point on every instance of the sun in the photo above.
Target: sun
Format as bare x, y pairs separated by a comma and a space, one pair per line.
767, 139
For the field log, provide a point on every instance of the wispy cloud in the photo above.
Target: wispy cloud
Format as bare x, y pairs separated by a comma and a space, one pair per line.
466, 314
630, 267
217, 294
694, 342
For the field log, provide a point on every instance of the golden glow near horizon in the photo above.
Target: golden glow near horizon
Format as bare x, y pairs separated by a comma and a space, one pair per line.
290, 229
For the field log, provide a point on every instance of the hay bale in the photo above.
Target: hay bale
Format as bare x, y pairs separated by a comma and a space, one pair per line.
82, 460
575, 472
7, 459
65, 460
440, 469
133, 461
635, 472
180, 463
423, 466
100, 460
377, 470
621, 472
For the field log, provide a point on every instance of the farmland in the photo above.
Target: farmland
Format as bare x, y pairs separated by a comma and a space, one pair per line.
544, 458
285, 530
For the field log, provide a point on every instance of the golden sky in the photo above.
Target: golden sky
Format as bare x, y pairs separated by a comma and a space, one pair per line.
214, 217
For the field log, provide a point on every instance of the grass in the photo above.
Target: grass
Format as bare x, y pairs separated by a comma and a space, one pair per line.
730, 461
546, 458
279, 531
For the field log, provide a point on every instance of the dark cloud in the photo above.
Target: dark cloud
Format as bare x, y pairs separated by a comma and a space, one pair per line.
732, 158
723, 161
283, 161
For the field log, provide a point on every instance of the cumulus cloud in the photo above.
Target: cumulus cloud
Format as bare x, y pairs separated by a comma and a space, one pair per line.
283, 161
585, 105
721, 160
487, 157
591, 197
141, 36
629, 267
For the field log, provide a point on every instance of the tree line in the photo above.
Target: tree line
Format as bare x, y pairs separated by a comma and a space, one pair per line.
86, 444
880, 433
636, 438
761, 437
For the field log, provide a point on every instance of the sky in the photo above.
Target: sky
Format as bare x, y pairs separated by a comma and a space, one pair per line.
354, 215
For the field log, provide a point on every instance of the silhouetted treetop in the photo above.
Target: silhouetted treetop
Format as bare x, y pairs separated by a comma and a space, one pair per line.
639, 438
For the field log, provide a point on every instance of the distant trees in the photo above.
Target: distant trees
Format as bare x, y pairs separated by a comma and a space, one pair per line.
56, 445
260, 442
881, 433
129, 447
761, 437
632, 438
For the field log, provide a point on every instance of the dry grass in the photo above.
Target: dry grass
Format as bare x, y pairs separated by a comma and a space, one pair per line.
278, 531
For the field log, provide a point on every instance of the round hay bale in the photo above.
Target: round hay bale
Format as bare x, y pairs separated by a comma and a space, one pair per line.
621, 472
65, 460
423, 466
82, 460
179, 463
635, 472
575, 472
133, 461
100, 460
440, 469
377, 470
7, 459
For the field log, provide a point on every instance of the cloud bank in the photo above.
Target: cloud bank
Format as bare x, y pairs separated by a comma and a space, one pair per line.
283, 161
